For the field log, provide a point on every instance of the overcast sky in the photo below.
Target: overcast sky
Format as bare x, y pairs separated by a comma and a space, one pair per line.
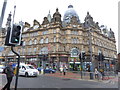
103, 11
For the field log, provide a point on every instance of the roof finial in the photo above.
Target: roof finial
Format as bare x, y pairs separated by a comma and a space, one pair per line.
70, 6
49, 11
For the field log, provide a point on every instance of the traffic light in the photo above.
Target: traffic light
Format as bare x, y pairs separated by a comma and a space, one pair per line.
100, 57
83, 55
15, 35
80, 56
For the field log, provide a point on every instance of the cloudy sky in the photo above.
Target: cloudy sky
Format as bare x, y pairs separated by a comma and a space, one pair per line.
103, 11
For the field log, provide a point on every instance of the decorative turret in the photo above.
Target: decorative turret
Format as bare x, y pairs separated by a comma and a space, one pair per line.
45, 21
56, 16
71, 16
111, 34
35, 22
8, 24
27, 25
89, 21
49, 17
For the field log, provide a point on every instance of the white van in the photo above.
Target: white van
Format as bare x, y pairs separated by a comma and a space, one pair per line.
28, 70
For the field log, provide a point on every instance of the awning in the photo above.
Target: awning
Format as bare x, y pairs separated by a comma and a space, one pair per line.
1, 57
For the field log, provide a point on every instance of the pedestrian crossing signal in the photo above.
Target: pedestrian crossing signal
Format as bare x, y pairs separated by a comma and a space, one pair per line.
13, 36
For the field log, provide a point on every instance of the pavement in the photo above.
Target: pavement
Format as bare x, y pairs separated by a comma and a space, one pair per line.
77, 76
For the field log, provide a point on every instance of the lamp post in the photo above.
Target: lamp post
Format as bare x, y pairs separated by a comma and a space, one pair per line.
90, 49
2, 13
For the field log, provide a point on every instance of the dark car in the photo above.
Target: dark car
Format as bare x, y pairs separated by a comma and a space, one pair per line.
47, 70
39, 68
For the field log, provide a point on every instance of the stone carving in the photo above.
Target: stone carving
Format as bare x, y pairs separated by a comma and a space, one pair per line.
111, 33
89, 21
45, 21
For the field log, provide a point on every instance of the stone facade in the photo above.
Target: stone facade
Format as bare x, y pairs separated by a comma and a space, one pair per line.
57, 41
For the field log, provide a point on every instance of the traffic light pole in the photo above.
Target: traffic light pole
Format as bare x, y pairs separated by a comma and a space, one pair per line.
90, 48
16, 82
81, 67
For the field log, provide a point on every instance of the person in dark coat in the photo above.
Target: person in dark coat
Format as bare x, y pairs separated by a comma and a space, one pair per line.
9, 75
64, 70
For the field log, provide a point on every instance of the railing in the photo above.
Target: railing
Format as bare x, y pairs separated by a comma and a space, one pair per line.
87, 75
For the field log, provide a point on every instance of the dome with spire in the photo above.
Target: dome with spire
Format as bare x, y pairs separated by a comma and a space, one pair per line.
69, 14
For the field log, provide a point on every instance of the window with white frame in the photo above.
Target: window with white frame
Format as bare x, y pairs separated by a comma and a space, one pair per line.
54, 39
30, 42
46, 40
54, 31
24, 43
29, 50
64, 40
36, 26
72, 40
35, 50
41, 40
77, 40
35, 41
44, 32
43, 50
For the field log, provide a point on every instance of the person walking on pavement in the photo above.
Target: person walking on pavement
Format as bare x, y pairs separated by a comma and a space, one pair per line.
96, 73
9, 75
61, 70
102, 73
64, 70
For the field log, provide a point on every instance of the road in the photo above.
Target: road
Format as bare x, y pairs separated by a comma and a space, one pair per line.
56, 82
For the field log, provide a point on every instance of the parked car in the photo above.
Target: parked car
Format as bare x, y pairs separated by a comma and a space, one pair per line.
27, 70
47, 70
1, 68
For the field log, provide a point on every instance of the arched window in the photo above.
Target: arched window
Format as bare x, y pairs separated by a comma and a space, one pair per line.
36, 26
35, 41
72, 40
41, 40
44, 50
23, 51
24, 43
54, 39
29, 51
77, 40
64, 40
30, 42
35, 50
46, 40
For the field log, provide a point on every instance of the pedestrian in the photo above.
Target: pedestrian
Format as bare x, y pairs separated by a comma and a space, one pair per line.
96, 73
64, 70
9, 75
102, 73
61, 70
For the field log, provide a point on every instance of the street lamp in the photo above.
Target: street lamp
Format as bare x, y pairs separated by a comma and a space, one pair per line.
90, 49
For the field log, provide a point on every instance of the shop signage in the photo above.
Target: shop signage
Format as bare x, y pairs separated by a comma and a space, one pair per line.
31, 56
64, 55
74, 52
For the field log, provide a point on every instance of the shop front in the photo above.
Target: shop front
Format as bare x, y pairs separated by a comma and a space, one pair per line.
74, 63
31, 59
